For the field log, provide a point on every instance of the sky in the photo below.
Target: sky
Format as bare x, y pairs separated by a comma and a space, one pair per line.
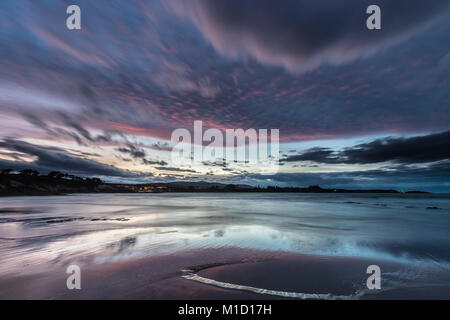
355, 108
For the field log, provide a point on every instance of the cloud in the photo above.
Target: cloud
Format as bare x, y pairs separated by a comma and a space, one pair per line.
317, 154
50, 158
420, 149
79, 133
133, 151
218, 163
140, 154
151, 77
160, 146
176, 169
154, 162
431, 178
155, 72
301, 35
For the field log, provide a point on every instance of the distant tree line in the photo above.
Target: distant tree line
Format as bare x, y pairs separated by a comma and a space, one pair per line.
53, 175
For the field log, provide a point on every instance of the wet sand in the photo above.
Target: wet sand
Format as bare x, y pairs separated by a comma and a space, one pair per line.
229, 273
208, 246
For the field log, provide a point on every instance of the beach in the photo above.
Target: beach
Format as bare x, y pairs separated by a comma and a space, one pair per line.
225, 246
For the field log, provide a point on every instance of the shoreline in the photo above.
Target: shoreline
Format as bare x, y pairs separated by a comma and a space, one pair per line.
56, 184
349, 192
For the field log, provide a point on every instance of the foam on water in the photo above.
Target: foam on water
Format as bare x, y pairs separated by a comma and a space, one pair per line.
190, 275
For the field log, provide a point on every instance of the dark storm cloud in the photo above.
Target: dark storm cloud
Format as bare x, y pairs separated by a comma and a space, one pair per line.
422, 149
300, 35
51, 158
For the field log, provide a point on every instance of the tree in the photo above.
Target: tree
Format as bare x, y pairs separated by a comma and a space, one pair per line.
6, 172
65, 175
56, 174
29, 172
231, 187
74, 178
97, 180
